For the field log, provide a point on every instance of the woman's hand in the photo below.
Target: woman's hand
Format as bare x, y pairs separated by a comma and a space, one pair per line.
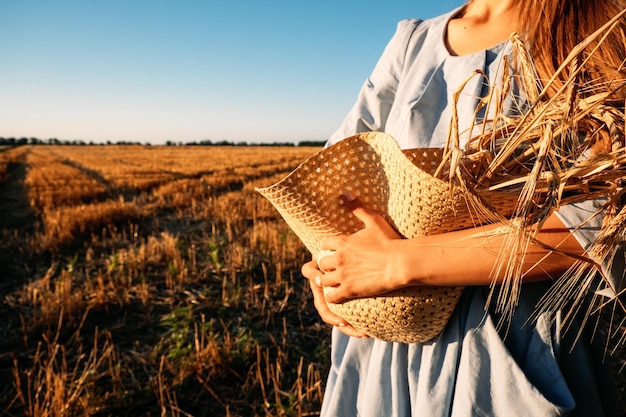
376, 259
363, 264
313, 274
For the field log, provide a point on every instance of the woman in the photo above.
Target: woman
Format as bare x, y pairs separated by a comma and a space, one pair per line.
473, 368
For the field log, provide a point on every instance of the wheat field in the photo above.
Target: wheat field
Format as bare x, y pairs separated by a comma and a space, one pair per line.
153, 281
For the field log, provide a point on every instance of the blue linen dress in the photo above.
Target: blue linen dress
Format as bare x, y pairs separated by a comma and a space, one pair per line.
471, 369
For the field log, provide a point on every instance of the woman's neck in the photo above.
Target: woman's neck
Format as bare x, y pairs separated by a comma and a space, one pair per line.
484, 10
481, 25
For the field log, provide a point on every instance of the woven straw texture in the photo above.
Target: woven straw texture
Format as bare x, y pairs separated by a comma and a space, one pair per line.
399, 186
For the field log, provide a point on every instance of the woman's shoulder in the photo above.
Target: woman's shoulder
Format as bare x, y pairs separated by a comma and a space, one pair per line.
416, 30
409, 25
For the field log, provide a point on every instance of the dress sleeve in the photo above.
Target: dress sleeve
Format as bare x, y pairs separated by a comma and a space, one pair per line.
377, 94
585, 224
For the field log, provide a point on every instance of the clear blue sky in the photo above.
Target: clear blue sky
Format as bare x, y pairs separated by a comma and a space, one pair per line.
156, 70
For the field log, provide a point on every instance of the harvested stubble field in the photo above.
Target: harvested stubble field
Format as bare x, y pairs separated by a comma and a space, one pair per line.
153, 281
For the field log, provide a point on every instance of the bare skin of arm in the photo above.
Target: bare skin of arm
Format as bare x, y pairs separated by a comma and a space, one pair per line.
376, 260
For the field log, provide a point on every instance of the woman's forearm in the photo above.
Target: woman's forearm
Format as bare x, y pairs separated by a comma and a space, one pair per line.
376, 260
469, 257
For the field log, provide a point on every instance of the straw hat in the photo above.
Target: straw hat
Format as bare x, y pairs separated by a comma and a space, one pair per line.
400, 186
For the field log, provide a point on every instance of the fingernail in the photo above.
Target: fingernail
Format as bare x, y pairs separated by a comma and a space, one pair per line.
349, 196
341, 324
318, 281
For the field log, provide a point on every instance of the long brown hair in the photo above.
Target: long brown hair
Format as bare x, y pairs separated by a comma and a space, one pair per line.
552, 28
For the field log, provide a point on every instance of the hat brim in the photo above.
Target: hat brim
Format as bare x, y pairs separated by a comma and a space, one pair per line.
400, 186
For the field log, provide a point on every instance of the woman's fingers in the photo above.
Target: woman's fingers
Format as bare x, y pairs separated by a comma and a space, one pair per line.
313, 274
372, 221
324, 253
310, 270
359, 210
328, 316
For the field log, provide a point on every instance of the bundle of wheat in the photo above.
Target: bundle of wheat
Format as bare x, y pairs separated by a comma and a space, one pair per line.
568, 146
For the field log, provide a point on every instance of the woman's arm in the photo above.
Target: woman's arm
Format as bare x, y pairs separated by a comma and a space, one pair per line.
376, 260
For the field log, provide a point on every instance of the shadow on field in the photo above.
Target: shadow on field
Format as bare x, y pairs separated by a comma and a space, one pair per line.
17, 226
88, 172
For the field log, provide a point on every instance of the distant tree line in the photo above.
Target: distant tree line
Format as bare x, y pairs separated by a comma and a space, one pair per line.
54, 141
